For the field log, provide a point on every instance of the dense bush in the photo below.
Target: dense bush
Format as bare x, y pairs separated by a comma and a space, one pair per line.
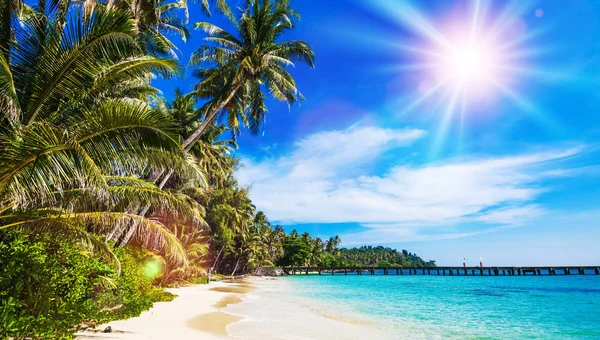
330, 260
47, 287
297, 252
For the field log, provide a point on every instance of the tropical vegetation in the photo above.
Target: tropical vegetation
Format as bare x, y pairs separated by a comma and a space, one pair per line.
107, 189
303, 250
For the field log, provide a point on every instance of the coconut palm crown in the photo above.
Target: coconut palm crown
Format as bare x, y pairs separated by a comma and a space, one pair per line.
238, 71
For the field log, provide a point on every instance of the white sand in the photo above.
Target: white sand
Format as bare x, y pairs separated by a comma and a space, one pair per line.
225, 311
193, 314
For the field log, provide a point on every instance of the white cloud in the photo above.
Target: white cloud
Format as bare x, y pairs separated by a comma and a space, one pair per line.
330, 177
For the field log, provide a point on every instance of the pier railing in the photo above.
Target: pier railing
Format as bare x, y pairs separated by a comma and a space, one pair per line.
446, 271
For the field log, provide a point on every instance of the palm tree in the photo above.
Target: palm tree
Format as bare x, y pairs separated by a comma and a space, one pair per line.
306, 237
317, 251
273, 243
154, 20
241, 69
76, 134
261, 221
337, 241
221, 5
50, 71
279, 233
332, 244
195, 245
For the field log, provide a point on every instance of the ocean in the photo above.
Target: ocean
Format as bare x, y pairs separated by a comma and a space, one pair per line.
420, 307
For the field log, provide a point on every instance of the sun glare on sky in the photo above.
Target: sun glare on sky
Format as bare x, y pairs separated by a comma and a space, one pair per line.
471, 64
466, 58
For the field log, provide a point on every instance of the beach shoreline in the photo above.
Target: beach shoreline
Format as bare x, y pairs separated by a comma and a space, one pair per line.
196, 312
240, 308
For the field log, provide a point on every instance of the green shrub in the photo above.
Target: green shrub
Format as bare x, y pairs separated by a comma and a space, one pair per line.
132, 290
47, 287
202, 280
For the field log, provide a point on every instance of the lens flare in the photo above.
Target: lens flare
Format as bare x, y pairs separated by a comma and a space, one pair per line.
152, 269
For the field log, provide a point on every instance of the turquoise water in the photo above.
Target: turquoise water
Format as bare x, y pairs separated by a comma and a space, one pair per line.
548, 307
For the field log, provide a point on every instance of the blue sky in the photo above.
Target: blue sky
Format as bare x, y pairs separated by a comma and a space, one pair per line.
386, 150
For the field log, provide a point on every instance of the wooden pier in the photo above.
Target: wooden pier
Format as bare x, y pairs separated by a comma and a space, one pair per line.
446, 271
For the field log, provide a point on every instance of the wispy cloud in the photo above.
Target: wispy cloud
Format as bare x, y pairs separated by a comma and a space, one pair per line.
333, 177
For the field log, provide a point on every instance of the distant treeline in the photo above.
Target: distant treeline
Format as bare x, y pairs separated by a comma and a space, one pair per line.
382, 256
303, 250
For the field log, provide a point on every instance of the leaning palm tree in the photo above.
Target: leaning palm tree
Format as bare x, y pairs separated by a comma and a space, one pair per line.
237, 71
76, 134
213, 152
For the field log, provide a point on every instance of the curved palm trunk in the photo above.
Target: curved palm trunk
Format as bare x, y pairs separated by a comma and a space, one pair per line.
187, 146
214, 266
191, 140
236, 266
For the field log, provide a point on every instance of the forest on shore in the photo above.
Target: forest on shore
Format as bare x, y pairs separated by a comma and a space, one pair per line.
109, 190
303, 250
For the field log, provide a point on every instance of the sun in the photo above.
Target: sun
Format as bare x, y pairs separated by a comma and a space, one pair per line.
471, 59
459, 62
472, 67
470, 64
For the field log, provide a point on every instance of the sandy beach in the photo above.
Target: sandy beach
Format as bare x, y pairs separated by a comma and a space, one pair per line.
194, 314
249, 309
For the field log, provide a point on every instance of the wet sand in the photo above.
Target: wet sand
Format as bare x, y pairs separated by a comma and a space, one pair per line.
194, 314
214, 323
236, 289
228, 300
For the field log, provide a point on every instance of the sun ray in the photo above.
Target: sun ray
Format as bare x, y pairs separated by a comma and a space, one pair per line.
511, 12
461, 124
468, 60
428, 93
413, 19
444, 126
475, 20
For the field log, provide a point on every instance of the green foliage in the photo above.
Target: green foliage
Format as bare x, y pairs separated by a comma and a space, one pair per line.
296, 252
200, 280
239, 70
382, 256
76, 126
46, 287
133, 289
384, 263
330, 260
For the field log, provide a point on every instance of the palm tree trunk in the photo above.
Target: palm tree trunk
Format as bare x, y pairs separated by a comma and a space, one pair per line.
218, 255
236, 266
187, 146
191, 140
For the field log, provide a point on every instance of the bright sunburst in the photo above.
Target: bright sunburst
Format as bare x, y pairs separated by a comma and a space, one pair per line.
475, 54
469, 64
